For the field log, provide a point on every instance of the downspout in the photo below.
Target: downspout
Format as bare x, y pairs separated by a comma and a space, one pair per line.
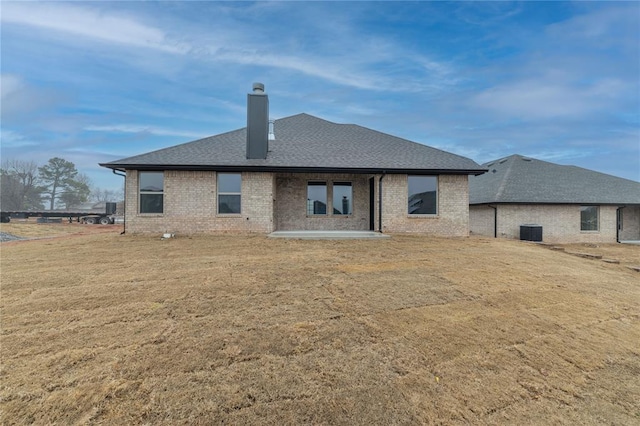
495, 220
380, 202
618, 214
124, 218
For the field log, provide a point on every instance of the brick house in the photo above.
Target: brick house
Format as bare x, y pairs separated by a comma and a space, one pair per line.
297, 173
571, 204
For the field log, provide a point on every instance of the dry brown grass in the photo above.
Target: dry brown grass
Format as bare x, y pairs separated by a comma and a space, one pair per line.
618, 252
248, 330
29, 228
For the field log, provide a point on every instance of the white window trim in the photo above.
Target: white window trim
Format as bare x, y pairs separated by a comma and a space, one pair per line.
141, 192
218, 194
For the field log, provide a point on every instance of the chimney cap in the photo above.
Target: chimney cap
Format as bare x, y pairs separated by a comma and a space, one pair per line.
258, 88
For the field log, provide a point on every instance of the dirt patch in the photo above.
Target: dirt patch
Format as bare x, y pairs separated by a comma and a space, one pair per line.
624, 254
30, 229
122, 329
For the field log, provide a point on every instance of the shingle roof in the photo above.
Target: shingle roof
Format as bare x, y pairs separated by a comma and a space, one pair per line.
306, 142
518, 179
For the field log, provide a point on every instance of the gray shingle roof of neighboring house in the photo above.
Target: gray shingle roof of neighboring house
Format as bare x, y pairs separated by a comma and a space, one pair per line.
304, 142
518, 179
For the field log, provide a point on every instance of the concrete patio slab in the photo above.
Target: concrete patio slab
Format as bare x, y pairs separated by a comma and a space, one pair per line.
327, 235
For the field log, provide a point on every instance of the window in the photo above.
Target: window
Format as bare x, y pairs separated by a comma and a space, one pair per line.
588, 218
316, 198
151, 192
342, 198
229, 193
423, 195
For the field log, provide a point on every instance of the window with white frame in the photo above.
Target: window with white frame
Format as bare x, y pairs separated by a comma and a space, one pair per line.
229, 193
589, 218
423, 195
151, 189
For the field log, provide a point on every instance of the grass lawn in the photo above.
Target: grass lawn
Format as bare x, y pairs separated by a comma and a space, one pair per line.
121, 329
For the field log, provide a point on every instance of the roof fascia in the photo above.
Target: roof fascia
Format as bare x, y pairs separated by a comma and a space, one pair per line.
280, 169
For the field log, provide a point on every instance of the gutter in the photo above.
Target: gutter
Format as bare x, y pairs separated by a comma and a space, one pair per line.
285, 169
124, 221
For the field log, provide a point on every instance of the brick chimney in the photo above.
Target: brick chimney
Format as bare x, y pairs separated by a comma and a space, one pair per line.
257, 123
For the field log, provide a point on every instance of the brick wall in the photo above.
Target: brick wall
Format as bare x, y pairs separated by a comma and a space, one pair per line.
453, 207
481, 220
271, 202
560, 223
190, 204
291, 203
630, 223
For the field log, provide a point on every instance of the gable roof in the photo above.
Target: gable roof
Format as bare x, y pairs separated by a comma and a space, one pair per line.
518, 179
305, 143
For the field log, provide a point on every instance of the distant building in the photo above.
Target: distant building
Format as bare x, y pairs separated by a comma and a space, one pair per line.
571, 204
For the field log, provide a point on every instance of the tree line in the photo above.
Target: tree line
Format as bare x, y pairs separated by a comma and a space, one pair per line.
57, 184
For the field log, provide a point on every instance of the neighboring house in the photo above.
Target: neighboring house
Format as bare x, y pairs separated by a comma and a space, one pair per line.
571, 204
297, 173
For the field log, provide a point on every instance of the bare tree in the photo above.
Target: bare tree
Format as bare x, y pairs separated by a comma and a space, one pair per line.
20, 185
106, 195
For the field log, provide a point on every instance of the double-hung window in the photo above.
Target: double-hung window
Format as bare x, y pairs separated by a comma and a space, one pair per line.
151, 185
589, 218
423, 195
229, 193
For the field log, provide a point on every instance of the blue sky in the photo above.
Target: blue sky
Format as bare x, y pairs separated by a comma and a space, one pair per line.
97, 81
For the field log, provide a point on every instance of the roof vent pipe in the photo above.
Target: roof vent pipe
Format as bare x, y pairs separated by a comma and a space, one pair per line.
258, 88
272, 135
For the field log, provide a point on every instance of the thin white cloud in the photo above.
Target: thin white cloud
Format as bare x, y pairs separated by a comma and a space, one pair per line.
359, 110
9, 84
602, 27
378, 71
20, 99
575, 78
11, 139
376, 67
152, 130
311, 66
558, 154
544, 98
87, 22
486, 13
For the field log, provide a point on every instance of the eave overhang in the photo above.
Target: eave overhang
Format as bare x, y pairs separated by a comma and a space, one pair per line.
282, 169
